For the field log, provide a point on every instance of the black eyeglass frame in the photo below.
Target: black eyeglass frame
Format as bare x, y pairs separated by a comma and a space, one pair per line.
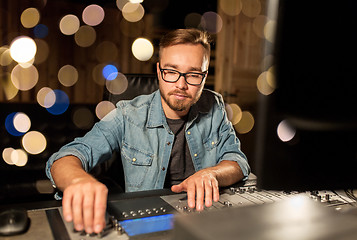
203, 74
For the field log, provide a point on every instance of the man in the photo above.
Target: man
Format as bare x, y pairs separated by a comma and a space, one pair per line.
177, 137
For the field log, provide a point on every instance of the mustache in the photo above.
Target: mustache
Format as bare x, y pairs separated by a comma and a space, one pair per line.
180, 93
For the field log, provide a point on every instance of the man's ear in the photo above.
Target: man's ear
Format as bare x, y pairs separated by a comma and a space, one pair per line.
158, 69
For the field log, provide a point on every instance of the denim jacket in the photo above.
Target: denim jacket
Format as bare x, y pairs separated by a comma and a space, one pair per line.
138, 130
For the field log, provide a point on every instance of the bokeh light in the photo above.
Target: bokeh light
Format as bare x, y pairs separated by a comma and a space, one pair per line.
121, 3
251, 8
97, 74
106, 51
19, 157
22, 122
24, 78
34, 142
142, 49
5, 57
246, 124
46, 97
117, 85
85, 36
7, 85
83, 118
103, 108
68, 75
30, 17
231, 7
193, 20
69, 24
6, 155
61, 104
23, 49
266, 82
133, 12
269, 30
42, 51
40, 31
236, 113
93, 15
285, 131
212, 22
110, 72
9, 125
259, 25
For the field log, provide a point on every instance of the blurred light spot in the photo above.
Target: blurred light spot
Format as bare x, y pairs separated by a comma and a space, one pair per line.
229, 111
136, 1
259, 24
30, 17
93, 15
34, 142
212, 22
27, 64
193, 20
251, 8
103, 108
285, 131
83, 118
22, 122
117, 85
5, 57
236, 113
106, 51
48, 94
44, 186
110, 72
69, 24
266, 83
40, 31
268, 61
97, 74
24, 78
85, 36
121, 3
23, 49
42, 51
231, 7
246, 124
7, 85
19, 157
6, 155
142, 49
68, 75
133, 12
9, 125
269, 30
61, 104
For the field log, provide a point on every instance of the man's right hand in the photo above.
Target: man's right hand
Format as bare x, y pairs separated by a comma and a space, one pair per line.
84, 198
84, 202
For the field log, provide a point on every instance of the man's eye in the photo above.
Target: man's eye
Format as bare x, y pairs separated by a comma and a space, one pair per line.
194, 75
170, 72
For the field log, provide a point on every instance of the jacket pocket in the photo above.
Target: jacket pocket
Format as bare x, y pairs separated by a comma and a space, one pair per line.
136, 164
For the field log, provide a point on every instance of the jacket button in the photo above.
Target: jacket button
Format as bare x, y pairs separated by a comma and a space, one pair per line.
188, 133
134, 159
168, 143
195, 154
163, 169
212, 143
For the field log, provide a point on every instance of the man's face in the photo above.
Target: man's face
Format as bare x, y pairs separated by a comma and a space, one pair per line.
178, 97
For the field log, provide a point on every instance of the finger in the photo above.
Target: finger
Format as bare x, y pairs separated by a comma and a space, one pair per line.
191, 194
208, 193
177, 188
100, 206
88, 205
200, 192
215, 191
67, 206
77, 212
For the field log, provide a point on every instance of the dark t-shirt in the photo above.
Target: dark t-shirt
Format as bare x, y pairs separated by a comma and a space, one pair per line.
180, 165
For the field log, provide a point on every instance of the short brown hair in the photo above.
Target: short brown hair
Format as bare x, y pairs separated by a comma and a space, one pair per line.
187, 36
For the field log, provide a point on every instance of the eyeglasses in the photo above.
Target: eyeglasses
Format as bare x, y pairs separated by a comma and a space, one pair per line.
192, 78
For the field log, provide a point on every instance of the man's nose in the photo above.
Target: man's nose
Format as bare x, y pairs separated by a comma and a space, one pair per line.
181, 82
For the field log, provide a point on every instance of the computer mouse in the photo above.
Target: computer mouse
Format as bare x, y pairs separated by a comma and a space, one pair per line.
13, 221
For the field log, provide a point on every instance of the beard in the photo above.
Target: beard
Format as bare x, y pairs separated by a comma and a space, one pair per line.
177, 104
